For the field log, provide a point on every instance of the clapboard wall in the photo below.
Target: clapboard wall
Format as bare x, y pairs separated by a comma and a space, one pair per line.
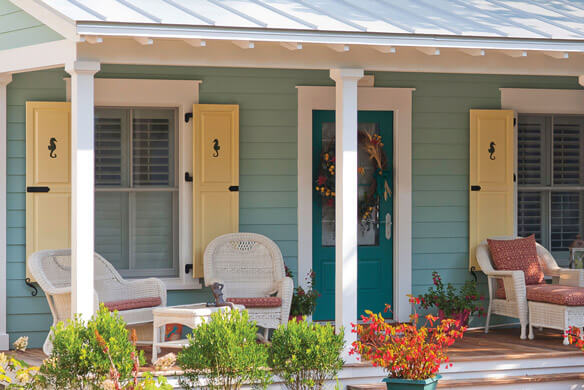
268, 166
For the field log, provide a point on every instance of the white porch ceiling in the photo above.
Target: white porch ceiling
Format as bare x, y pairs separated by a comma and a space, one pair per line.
494, 19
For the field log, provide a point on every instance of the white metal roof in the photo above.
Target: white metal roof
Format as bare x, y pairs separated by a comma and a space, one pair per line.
525, 19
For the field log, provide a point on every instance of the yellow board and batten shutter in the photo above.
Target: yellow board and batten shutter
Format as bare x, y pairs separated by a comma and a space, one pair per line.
48, 176
215, 176
492, 156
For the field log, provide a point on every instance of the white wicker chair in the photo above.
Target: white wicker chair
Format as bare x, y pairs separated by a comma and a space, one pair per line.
249, 266
515, 303
52, 271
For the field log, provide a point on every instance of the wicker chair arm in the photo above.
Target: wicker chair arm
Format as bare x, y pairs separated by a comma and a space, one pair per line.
571, 277
285, 291
513, 282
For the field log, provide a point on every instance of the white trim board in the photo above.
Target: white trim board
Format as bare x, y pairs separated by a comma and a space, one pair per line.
543, 101
179, 94
398, 100
5, 79
35, 57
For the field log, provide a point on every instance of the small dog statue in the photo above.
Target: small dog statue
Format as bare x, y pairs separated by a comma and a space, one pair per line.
217, 290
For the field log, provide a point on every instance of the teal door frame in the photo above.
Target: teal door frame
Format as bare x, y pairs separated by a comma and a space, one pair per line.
375, 275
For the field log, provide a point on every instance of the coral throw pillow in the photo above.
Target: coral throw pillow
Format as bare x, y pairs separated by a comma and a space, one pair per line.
517, 255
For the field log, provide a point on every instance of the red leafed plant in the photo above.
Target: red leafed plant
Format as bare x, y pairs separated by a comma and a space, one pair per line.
575, 336
405, 350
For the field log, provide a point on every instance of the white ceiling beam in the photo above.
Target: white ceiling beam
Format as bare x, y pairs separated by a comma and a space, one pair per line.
196, 42
474, 52
385, 49
515, 53
339, 47
92, 39
244, 44
291, 45
560, 55
430, 51
144, 40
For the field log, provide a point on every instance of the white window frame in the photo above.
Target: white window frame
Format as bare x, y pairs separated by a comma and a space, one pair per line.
398, 100
180, 95
540, 101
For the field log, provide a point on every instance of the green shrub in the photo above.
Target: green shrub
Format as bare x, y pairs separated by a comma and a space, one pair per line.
306, 355
224, 354
78, 361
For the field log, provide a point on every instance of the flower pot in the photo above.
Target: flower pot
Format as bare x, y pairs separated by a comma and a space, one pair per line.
296, 318
411, 384
462, 317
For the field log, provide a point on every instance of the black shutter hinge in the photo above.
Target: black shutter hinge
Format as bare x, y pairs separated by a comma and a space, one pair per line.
188, 268
233, 188
514, 122
37, 189
188, 117
475, 188
188, 177
514, 178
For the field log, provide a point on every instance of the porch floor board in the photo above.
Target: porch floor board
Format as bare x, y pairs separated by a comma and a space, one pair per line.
499, 344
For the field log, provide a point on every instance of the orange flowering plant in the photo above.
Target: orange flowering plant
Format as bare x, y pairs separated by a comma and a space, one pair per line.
405, 350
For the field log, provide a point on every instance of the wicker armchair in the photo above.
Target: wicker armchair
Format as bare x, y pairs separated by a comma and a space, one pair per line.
515, 303
250, 266
52, 271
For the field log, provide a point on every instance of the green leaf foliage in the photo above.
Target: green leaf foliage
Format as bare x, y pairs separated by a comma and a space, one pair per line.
79, 362
306, 355
223, 354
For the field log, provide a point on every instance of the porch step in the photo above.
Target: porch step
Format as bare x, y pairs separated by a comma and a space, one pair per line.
484, 382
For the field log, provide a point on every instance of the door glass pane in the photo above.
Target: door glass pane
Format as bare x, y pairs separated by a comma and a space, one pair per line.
368, 231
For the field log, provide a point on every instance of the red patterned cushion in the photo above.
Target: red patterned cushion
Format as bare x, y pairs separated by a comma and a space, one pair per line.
517, 255
551, 293
257, 302
556, 294
129, 304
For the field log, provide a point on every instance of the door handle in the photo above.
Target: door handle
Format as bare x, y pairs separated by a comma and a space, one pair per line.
388, 226
37, 189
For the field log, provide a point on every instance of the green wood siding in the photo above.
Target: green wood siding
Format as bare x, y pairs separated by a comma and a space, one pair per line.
17, 28
268, 167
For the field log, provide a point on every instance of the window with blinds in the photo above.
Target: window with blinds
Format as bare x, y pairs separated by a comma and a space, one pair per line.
550, 200
136, 199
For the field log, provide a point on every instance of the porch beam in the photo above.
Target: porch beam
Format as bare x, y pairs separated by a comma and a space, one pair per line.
346, 201
82, 186
5, 79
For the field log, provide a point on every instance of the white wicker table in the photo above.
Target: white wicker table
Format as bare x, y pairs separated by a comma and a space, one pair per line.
189, 315
547, 315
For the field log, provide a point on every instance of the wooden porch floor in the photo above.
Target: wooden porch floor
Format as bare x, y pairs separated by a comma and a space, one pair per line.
499, 344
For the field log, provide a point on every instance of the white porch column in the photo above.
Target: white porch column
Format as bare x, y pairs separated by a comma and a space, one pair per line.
82, 186
346, 201
5, 79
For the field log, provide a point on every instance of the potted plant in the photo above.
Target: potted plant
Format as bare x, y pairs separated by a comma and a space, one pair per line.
411, 355
457, 304
303, 301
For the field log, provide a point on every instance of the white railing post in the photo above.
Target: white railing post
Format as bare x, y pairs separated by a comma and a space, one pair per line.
5, 79
346, 201
82, 186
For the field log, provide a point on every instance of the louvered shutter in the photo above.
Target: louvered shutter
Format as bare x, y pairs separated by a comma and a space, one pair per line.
568, 170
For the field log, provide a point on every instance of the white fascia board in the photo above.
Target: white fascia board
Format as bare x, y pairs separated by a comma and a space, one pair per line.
36, 57
48, 16
326, 37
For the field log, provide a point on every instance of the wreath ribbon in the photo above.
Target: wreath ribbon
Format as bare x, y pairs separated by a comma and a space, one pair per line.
383, 190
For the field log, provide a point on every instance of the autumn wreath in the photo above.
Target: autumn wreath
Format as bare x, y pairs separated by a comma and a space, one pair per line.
368, 203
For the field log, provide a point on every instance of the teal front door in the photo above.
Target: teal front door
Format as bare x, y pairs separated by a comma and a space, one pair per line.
375, 252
